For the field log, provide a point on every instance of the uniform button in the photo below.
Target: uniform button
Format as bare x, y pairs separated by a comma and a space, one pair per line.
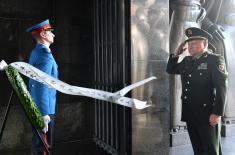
186, 89
200, 73
187, 82
189, 75
185, 97
204, 105
32, 85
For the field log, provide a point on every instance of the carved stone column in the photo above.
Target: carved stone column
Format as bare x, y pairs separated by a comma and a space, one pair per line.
227, 20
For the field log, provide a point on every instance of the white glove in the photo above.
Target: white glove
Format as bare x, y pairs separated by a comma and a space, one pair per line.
3, 65
46, 120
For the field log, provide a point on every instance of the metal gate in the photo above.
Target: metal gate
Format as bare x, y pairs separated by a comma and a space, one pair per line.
112, 72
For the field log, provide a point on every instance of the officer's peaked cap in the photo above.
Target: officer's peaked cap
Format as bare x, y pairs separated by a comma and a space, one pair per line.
45, 25
196, 33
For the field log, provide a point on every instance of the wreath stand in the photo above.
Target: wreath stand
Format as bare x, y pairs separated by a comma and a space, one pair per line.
33, 127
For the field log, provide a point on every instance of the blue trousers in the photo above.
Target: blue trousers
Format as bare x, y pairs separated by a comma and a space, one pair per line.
37, 147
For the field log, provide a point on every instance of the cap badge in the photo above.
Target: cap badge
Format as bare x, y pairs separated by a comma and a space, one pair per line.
190, 32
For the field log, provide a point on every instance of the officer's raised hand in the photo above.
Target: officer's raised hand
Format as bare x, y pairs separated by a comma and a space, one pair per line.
180, 49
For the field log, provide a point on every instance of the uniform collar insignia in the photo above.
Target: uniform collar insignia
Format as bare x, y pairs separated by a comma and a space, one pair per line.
205, 55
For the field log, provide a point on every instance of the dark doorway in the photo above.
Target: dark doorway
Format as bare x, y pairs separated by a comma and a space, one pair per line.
112, 72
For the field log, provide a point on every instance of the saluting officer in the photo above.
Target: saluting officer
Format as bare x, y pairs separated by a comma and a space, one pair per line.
41, 57
204, 88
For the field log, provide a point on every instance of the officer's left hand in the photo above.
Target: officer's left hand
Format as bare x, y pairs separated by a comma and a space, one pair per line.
214, 119
3, 65
46, 120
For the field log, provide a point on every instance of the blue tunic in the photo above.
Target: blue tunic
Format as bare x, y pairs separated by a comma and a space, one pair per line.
44, 96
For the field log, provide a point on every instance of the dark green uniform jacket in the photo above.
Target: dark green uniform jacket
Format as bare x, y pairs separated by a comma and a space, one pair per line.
204, 85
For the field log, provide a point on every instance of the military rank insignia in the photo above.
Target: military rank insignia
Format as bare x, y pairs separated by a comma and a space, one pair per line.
202, 66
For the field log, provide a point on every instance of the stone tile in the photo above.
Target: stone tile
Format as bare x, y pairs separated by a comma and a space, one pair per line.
227, 144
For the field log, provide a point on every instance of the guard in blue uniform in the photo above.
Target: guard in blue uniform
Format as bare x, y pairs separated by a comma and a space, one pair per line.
204, 87
45, 97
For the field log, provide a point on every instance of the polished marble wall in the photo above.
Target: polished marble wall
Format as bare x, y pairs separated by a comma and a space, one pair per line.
149, 49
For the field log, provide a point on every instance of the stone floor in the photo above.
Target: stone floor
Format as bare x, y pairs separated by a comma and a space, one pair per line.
64, 149
228, 147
